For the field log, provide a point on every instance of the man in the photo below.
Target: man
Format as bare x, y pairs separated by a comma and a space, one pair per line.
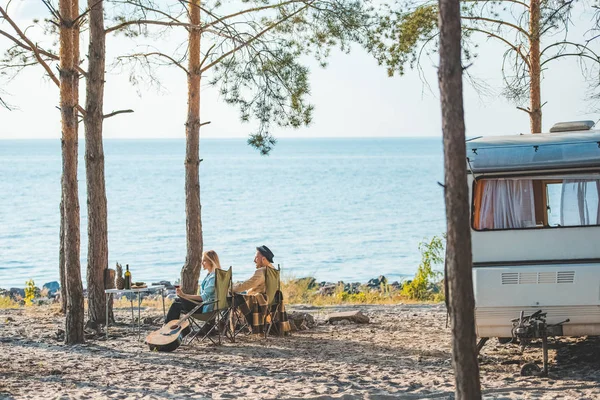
256, 284
253, 304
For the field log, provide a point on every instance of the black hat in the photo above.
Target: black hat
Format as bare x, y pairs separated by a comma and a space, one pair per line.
268, 254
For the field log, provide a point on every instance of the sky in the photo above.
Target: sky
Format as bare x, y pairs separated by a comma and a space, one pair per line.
353, 97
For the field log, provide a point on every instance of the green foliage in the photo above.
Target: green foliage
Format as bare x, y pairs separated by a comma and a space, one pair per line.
432, 253
305, 291
267, 80
400, 36
254, 51
408, 30
31, 291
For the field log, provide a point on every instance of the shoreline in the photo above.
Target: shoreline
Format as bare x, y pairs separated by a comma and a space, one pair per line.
50, 291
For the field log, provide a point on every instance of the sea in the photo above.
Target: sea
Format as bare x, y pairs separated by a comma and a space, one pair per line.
334, 209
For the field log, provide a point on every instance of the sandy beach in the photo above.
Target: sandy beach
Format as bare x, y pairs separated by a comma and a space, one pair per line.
404, 352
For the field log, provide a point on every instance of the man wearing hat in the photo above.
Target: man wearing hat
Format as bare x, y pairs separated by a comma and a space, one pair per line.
256, 284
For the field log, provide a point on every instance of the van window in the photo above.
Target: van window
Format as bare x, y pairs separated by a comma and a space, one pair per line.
536, 202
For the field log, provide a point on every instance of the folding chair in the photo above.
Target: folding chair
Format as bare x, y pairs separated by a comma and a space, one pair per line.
223, 285
238, 324
274, 300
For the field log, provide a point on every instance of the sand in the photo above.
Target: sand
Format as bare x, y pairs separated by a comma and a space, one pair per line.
403, 353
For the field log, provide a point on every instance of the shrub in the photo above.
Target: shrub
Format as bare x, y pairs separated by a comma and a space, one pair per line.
432, 253
31, 292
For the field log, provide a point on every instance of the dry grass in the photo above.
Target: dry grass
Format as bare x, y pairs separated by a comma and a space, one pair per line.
299, 291
146, 302
6, 302
296, 291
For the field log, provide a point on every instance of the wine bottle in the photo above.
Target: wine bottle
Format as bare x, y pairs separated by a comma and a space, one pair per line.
127, 278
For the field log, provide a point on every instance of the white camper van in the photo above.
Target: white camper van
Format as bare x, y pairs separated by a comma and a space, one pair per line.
535, 225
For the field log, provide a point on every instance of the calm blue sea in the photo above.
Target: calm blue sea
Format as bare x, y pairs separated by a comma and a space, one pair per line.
336, 209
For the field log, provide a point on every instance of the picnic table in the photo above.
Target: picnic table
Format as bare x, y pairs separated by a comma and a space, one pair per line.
149, 289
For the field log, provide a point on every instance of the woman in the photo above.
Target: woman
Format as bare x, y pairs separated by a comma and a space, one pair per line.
210, 262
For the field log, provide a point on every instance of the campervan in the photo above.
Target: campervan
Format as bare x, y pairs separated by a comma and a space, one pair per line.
535, 226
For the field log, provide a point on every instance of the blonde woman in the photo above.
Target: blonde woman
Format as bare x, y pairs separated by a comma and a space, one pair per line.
210, 262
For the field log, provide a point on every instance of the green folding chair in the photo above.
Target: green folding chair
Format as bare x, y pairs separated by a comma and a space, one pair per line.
274, 299
221, 309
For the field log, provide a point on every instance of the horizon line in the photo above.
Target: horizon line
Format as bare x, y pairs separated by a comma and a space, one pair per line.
234, 138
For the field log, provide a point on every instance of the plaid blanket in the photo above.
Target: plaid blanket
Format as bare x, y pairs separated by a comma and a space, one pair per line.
260, 315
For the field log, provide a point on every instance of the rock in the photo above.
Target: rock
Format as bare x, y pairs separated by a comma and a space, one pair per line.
166, 284
43, 301
10, 319
309, 282
352, 288
17, 293
52, 288
91, 328
377, 282
301, 321
396, 285
327, 290
321, 284
353, 316
436, 287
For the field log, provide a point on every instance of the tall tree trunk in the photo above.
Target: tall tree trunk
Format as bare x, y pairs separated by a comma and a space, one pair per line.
97, 261
68, 10
459, 262
61, 254
535, 70
191, 270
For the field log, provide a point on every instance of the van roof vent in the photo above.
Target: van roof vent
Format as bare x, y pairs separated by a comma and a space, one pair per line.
572, 126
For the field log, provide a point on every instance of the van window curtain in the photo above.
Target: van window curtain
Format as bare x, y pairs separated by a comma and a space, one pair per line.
477, 198
579, 202
507, 204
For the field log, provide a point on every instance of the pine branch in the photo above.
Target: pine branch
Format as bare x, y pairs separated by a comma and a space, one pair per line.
495, 36
256, 37
498, 22
41, 51
147, 22
112, 114
35, 51
155, 54
249, 10
581, 55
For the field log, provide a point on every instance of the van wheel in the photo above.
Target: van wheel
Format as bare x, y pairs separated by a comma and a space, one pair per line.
504, 340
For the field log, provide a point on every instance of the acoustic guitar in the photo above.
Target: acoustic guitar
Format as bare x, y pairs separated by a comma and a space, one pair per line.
170, 336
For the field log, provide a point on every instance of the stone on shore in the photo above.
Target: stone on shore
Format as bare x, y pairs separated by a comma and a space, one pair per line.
309, 282
166, 284
327, 290
356, 317
17, 293
52, 288
301, 321
376, 283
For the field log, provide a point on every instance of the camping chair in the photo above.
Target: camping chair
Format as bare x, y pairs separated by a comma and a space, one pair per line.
223, 286
238, 324
274, 300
